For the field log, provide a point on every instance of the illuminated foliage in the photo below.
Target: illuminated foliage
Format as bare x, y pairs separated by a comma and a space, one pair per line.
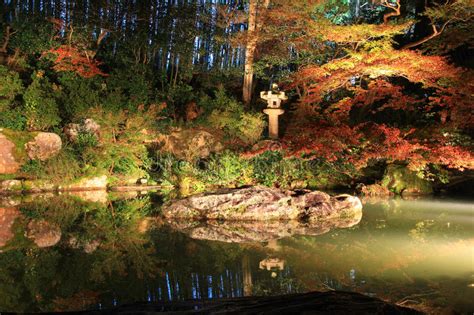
373, 102
69, 58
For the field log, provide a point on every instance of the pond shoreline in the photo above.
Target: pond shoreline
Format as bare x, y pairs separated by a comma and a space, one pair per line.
17, 187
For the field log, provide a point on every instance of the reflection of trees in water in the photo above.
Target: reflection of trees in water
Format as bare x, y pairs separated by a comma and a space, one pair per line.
42, 279
132, 263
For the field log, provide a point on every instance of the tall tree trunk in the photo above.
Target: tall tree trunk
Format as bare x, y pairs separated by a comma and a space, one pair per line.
252, 40
247, 275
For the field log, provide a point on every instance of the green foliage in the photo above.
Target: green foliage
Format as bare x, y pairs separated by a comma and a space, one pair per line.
228, 114
177, 96
10, 87
41, 110
129, 87
61, 169
85, 140
121, 150
32, 167
64, 168
78, 94
399, 179
272, 169
13, 119
229, 169
337, 11
33, 37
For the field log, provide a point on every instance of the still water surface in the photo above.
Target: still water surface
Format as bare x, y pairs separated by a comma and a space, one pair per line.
62, 253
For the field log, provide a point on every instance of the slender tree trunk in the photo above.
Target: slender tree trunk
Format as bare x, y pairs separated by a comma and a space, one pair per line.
356, 4
252, 40
247, 275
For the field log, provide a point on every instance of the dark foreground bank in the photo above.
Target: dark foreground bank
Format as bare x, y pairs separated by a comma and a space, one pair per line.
333, 302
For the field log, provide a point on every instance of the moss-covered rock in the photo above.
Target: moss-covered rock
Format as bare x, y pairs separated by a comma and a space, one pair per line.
38, 186
87, 183
8, 163
18, 147
263, 203
19, 139
189, 144
401, 180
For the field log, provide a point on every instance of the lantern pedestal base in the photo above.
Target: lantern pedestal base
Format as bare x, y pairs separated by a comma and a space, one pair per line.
273, 114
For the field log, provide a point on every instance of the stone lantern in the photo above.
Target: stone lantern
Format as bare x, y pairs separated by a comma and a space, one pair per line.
273, 110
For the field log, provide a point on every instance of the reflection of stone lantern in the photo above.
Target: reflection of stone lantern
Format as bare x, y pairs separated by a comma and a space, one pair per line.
273, 110
272, 263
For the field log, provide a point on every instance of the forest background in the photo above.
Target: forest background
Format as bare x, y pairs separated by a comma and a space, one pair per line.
381, 93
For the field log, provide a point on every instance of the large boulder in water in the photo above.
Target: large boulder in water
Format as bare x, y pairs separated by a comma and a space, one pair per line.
263, 203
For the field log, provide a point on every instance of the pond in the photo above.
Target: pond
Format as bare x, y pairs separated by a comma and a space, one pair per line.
63, 253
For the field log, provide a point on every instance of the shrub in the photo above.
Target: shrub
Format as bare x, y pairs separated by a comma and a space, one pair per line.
227, 169
33, 168
85, 140
60, 169
228, 115
272, 169
10, 87
127, 88
34, 36
41, 110
77, 95
121, 149
12, 119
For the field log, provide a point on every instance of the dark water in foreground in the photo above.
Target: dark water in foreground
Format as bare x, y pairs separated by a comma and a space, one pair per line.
61, 253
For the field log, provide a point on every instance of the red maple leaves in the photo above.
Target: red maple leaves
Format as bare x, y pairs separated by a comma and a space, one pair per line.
69, 58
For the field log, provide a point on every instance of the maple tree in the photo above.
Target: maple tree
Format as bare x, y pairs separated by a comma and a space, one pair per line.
75, 56
363, 99
69, 58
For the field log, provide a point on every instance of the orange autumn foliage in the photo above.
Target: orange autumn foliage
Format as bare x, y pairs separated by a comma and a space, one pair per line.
358, 145
69, 58
427, 70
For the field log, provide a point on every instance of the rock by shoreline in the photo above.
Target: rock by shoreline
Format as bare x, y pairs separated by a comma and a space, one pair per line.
85, 184
16, 186
259, 203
